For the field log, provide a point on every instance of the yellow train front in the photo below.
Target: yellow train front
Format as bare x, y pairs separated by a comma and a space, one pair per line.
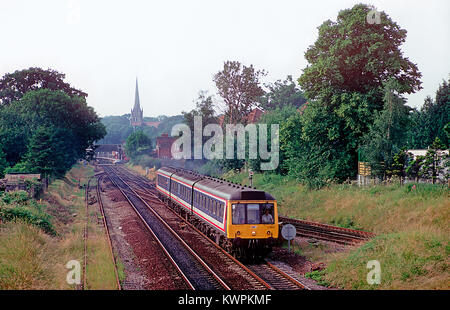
241, 219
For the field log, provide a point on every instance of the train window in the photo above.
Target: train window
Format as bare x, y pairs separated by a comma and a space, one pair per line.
253, 216
238, 215
267, 213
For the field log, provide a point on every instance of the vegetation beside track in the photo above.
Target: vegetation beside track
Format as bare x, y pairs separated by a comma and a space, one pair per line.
141, 170
32, 258
412, 243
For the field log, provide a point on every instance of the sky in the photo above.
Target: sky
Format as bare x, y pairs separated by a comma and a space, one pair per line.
174, 48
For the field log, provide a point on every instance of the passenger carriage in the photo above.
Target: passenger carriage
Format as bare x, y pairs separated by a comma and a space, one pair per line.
239, 218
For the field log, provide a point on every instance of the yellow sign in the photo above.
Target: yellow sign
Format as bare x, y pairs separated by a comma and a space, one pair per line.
364, 168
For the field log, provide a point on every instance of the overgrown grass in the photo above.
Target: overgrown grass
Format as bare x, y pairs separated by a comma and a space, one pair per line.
151, 175
24, 257
412, 227
32, 259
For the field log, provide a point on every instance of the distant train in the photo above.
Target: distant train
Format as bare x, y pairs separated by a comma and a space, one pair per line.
241, 219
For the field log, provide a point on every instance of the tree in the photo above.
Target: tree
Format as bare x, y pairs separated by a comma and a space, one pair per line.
430, 121
352, 55
387, 134
48, 153
413, 167
433, 163
238, 85
137, 143
397, 166
204, 107
3, 162
14, 85
77, 125
118, 128
205, 111
278, 115
350, 64
282, 93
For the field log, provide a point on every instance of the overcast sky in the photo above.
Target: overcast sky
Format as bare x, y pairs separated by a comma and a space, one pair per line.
175, 47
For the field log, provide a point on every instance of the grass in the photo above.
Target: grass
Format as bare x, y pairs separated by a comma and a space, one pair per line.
24, 259
412, 227
140, 170
33, 259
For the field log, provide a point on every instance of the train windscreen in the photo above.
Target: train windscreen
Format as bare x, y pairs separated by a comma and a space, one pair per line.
252, 213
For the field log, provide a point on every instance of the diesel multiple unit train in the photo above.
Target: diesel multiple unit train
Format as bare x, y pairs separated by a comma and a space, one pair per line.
241, 219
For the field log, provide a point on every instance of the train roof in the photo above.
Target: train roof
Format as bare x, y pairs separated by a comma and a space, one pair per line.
216, 186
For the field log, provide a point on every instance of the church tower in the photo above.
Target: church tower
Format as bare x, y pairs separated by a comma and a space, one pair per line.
137, 114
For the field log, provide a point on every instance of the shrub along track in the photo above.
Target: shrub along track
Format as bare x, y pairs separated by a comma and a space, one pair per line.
239, 276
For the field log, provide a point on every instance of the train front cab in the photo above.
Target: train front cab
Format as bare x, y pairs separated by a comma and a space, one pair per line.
249, 226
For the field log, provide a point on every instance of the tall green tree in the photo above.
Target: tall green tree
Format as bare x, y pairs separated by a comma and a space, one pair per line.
14, 85
204, 110
77, 123
348, 67
387, 135
279, 115
351, 55
282, 93
430, 121
137, 143
239, 86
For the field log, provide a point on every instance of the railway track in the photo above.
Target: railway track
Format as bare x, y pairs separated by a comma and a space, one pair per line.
105, 225
86, 233
260, 276
327, 232
276, 278
197, 274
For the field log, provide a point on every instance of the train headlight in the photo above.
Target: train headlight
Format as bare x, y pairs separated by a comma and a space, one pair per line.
268, 233
253, 233
238, 233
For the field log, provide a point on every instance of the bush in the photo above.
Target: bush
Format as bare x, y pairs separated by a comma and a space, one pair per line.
41, 221
318, 275
15, 197
146, 161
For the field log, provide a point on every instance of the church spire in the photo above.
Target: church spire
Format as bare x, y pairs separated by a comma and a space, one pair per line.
137, 105
137, 113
